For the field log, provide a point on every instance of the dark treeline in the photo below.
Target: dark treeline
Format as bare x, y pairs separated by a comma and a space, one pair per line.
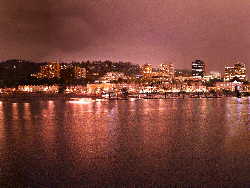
18, 72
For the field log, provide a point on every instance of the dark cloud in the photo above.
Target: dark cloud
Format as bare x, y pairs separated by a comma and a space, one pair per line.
140, 31
25, 28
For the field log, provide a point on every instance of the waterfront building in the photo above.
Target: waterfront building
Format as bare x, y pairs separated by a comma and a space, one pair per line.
76, 89
238, 71
198, 69
79, 89
195, 86
230, 86
38, 88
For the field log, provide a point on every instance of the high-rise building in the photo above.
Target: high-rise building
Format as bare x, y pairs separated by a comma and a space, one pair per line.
198, 69
238, 71
229, 73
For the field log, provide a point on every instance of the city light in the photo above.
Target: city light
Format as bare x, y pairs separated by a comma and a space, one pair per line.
113, 81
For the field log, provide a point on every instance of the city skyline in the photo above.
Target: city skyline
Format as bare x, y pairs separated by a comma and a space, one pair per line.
137, 31
207, 70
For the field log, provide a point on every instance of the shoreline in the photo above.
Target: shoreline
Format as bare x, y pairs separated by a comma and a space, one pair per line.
27, 96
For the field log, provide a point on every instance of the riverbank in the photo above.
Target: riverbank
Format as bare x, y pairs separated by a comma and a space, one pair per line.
120, 97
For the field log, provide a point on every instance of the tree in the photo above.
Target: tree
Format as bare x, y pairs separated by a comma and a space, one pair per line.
67, 76
124, 92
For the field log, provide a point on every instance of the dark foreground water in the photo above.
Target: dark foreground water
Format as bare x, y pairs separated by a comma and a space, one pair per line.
143, 143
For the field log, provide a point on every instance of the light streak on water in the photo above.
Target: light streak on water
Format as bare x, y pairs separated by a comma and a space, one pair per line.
81, 101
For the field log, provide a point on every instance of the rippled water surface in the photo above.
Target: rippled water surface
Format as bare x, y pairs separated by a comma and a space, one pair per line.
80, 142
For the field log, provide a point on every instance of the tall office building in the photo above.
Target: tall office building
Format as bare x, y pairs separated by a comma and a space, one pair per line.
237, 71
198, 69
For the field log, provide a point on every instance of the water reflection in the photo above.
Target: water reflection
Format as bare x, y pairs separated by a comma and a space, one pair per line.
1, 129
27, 113
57, 142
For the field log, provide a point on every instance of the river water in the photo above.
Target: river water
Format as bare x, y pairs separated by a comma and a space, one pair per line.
123, 143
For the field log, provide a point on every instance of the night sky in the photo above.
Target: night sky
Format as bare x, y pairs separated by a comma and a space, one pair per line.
140, 31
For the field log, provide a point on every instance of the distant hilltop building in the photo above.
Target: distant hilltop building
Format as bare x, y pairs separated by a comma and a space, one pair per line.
212, 76
79, 72
183, 73
238, 71
167, 70
163, 71
54, 70
198, 69
112, 76
147, 69
50, 70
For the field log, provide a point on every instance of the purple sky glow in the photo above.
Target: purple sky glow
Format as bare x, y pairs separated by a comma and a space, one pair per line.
140, 31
